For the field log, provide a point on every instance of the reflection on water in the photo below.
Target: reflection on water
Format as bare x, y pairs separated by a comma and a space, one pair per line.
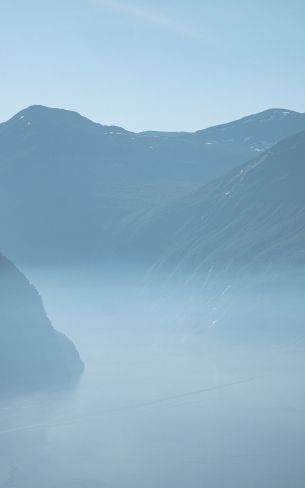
179, 390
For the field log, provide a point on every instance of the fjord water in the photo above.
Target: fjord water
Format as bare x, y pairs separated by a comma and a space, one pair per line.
185, 385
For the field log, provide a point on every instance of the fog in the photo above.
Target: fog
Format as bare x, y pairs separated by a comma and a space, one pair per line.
186, 384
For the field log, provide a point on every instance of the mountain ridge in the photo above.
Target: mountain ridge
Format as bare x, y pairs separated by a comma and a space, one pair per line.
39, 108
69, 185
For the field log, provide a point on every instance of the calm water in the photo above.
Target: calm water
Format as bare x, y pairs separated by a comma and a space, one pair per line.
180, 390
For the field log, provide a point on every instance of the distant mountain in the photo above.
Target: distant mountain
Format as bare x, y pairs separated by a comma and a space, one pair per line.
32, 354
68, 185
254, 215
254, 133
257, 132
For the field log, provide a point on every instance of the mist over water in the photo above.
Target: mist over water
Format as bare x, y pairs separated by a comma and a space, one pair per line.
185, 384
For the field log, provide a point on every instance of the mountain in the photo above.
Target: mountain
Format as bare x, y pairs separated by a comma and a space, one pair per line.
32, 353
69, 185
252, 216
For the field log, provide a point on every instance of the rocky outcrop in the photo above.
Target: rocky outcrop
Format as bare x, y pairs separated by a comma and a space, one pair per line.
32, 353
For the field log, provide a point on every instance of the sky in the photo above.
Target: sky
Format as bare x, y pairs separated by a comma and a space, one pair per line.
153, 64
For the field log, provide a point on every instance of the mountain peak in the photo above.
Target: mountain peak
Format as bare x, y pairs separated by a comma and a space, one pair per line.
271, 114
42, 116
41, 113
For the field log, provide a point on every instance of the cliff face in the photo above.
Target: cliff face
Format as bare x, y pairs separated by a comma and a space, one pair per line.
32, 353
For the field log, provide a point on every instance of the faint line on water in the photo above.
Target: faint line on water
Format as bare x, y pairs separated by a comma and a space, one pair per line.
150, 403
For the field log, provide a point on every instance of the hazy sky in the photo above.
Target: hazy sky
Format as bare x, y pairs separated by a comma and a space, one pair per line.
153, 64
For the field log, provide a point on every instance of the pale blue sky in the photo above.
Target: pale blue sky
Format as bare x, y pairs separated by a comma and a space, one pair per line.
168, 65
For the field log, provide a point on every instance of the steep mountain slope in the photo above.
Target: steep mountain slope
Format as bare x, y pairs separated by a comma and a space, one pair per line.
253, 215
32, 353
67, 185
